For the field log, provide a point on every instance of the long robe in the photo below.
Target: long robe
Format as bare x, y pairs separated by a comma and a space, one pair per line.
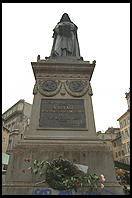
65, 40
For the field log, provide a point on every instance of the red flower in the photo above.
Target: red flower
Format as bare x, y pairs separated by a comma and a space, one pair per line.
26, 159
23, 170
77, 181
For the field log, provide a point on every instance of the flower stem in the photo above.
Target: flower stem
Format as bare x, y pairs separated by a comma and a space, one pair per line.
41, 182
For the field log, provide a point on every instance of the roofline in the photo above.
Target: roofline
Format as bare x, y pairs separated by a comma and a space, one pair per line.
6, 129
123, 114
21, 100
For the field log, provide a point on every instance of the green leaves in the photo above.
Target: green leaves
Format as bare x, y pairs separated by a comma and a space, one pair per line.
36, 162
37, 167
35, 171
41, 173
30, 168
72, 178
64, 175
89, 182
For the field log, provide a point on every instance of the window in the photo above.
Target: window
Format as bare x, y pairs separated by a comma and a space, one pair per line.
124, 148
121, 125
119, 153
116, 154
118, 142
9, 145
114, 144
124, 122
21, 135
103, 137
128, 119
13, 124
3, 139
123, 153
127, 162
126, 133
128, 147
122, 135
10, 141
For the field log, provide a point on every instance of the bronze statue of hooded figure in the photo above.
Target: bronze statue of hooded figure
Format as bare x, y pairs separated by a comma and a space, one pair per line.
65, 41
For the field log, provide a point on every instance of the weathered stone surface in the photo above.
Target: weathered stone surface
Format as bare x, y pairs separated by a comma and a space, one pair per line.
97, 156
62, 113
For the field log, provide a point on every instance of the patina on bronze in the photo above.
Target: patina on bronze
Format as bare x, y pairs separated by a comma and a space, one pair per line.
61, 113
65, 41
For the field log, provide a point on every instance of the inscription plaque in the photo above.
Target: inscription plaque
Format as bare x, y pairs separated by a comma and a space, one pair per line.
62, 113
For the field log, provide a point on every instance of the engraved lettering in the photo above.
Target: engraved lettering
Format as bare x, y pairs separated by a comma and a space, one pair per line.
62, 113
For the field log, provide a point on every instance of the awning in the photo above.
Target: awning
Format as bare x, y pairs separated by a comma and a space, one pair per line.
5, 158
120, 172
122, 166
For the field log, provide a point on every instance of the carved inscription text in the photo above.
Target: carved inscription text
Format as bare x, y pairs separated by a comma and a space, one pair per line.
62, 113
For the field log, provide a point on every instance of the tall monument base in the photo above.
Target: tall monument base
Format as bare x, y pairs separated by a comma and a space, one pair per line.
92, 153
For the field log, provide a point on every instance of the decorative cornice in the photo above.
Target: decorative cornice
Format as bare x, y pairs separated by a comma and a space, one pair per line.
63, 68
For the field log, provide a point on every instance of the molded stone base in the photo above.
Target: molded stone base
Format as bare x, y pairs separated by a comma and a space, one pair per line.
95, 154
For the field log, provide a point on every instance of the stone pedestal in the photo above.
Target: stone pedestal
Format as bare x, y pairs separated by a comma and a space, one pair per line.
62, 124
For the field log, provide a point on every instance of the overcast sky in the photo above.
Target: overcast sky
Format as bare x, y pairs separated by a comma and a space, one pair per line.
103, 34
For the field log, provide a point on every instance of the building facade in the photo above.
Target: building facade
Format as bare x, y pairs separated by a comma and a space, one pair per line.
118, 152
124, 122
5, 137
112, 137
16, 120
110, 134
5, 140
119, 138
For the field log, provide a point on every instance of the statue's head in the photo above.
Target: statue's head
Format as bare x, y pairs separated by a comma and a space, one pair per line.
65, 17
